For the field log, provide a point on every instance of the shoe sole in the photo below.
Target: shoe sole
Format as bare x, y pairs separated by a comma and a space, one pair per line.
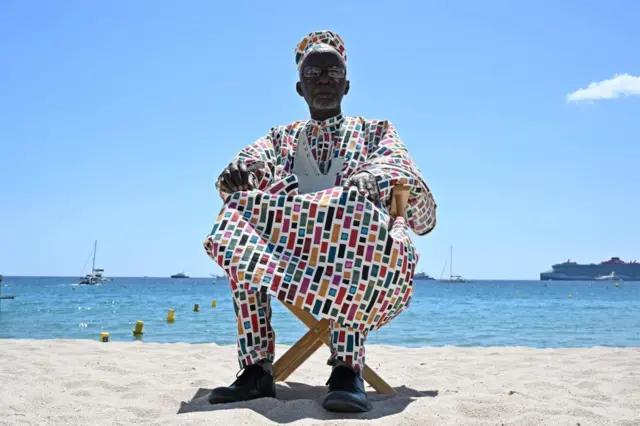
229, 400
345, 406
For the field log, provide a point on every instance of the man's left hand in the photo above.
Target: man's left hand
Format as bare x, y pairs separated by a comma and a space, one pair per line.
366, 184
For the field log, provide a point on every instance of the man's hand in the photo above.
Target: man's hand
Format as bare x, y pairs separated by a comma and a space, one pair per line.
237, 176
366, 184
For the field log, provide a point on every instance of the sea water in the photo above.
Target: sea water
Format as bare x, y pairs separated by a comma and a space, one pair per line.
483, 313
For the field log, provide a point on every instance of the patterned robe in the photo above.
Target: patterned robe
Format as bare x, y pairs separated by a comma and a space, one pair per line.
331, 252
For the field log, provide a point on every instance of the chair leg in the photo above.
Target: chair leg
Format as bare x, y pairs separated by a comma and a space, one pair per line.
301, 351
377, 382
310, 321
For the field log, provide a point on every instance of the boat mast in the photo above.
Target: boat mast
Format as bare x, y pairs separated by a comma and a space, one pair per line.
95, 249
451, 263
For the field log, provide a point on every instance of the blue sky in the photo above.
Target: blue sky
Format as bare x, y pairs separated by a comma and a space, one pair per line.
116, 118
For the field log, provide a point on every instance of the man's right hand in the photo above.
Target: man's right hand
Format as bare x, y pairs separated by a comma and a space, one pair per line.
237, 176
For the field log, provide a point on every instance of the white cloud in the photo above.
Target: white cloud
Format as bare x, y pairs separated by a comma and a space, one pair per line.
619, 85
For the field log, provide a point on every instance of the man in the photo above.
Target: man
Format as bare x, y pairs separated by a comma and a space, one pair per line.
306, 220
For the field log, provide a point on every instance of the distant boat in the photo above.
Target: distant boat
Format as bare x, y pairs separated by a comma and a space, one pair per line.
610, 277
218, 277
97, 275
179, 275
422, 276
573, 271
452, 278
4, 296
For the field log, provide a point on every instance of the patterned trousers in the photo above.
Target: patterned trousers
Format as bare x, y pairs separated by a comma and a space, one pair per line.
331, 253
256, 337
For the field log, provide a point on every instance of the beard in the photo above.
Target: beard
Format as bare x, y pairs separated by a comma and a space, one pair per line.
325, 103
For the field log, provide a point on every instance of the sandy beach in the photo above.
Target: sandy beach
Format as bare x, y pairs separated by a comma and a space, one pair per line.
75, 382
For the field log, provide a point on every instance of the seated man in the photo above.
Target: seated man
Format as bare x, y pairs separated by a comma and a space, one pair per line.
306, 219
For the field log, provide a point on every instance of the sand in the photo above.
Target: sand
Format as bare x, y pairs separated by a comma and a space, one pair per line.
81, 382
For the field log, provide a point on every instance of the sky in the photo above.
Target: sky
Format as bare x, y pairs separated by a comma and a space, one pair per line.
117, 117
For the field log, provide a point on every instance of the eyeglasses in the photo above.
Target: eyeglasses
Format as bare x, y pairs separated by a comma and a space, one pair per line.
315, 72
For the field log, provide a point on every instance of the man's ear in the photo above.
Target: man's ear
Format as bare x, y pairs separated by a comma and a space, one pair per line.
299, 89
346, 87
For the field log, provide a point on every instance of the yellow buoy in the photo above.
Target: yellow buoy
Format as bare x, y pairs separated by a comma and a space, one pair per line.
196, 308
104, 337
171, 316
213, 303
138, 330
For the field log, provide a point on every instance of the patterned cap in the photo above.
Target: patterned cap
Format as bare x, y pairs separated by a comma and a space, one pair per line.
318, 40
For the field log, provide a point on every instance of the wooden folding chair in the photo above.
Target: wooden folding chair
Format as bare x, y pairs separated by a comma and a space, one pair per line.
319, 329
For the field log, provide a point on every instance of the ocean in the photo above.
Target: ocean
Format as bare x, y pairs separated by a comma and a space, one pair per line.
483, 313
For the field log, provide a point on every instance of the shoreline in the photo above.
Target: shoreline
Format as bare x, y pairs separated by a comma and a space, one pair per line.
71, 381
285, 346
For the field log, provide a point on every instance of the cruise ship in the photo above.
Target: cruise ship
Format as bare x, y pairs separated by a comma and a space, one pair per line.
572, 271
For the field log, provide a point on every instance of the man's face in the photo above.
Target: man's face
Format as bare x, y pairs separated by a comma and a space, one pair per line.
323, 80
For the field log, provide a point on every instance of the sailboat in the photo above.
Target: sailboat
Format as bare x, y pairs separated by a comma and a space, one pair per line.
611, 277
218, 277
452, 278
96, 275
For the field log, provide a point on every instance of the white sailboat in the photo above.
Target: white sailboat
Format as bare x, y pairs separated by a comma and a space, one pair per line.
96, 276
452, 278
611, 277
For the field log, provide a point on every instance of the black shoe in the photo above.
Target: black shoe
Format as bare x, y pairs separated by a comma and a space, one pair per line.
254, 382
346, 392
